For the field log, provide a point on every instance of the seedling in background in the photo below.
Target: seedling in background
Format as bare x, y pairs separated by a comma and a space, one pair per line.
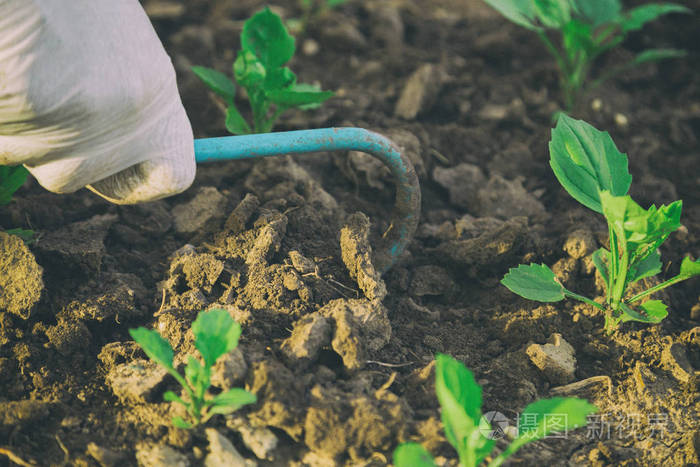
310, 11
469, 433
215, 334
589, 166
586, 29
271, 87
11, 179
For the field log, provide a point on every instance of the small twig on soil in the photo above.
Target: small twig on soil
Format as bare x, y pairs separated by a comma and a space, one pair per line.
15, 458
389, 229
63, 447
162, 305
439, 156
391, 365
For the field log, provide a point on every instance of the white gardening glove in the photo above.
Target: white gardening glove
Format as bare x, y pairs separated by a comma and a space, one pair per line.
88, 98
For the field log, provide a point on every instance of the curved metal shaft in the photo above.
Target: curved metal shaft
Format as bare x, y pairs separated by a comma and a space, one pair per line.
406, 212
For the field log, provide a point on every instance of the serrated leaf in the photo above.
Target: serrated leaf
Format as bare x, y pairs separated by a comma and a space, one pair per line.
690, 268
598, 12
235, 123
215, 333
586, 161
653, 55
293, 98
654, 311
216, 81
230, 401
11, 179
637, 17
534, 282
155, 347
412, 455
521, 12
648, 267
555, 415
553, 13
265, 35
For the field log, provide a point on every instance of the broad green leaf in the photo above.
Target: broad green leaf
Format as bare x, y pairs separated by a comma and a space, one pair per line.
654, 311
155, 347
636, 18
653, 55
178, 422
460, 399
279, 78
553, 13
217, 82
295, 98
412, 455
11, 179
264, 35
690, 268
170, 396
215, 333
306, 87
586, 161
556, 415
601, 259
230, 401
248, 70
534, 282
577, 38
521, 12
598, 12
648, 267
235, 123
27, 236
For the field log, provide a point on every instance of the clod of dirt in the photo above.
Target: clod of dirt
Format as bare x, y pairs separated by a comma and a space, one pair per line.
229, 370
506, 199
587, 388
222, 453
566, 270
158, 455
260, 440
462, 182
580, 243
675, 358
310, 334
302, 264
116, 302
493, 247
430, 280
359, 327
340, 422
386, 25
105, 457
21, 283
555, 359
135, 381
69, 336
357, 256
154, 217
420, 91
16, 415
79, 245
201, 270
205, 208
236, 221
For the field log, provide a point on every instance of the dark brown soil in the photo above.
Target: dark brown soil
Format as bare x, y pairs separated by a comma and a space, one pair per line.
341, 360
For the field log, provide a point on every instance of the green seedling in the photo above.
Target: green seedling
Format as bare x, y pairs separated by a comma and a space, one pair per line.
592, 170
11, 179
215, 334
585, 29
271, 87
310, 11
471, 434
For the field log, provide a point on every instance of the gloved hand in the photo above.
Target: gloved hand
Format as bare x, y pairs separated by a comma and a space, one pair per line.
88, 98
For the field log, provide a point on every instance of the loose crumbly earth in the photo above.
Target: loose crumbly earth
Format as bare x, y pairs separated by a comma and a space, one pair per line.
339, 357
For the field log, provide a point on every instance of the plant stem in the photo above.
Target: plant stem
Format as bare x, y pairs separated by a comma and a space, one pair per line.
612, 270
656, 288
583, 299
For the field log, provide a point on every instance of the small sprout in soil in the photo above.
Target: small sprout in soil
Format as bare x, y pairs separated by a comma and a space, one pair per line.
215, 334
27, 236
586, 29
11, 179
310, 11
588, 165
259, 68
471, 434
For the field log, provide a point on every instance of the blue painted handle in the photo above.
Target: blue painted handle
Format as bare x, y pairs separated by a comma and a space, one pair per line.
407, 208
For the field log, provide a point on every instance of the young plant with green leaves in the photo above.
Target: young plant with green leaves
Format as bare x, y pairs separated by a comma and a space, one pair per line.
215, 334
259, 68
11, 179
592, 170
585, 29
471, 434
310, 11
